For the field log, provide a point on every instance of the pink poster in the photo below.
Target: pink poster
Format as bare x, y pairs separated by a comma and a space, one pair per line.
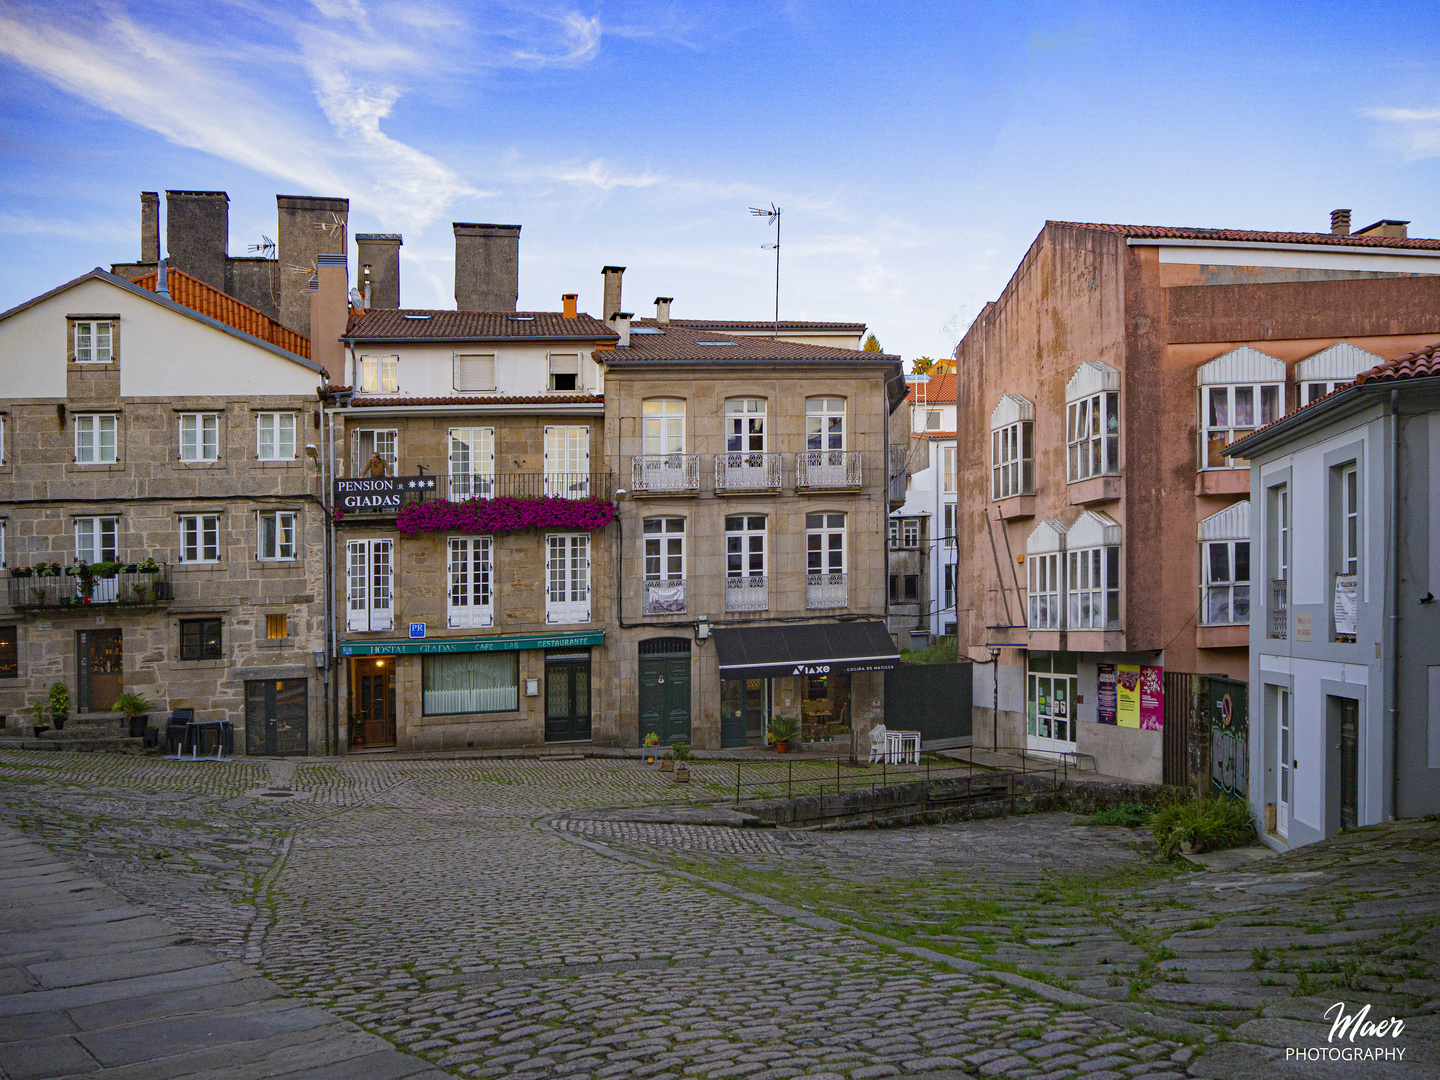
1152, 698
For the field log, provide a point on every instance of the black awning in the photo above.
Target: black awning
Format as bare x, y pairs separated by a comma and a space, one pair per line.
758, 652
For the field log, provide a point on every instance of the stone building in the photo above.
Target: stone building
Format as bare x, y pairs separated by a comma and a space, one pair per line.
160, 509
1104, 536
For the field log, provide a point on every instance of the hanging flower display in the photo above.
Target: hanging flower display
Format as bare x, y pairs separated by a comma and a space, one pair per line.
504, 514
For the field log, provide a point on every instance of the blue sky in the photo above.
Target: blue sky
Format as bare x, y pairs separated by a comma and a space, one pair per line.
915, 148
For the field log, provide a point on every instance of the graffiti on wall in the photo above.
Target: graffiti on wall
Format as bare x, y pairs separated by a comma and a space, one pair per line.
1229, 738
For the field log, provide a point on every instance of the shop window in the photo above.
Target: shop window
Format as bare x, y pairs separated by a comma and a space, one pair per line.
1051, 690
473, 682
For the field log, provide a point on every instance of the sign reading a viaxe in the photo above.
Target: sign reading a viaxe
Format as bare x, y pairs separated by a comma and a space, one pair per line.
379, 495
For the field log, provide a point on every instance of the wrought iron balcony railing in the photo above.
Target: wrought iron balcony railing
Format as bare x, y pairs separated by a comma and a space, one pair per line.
65, 591
665, 596
665, 474
746, 593
739, 472
457, 487
826, 591
1280, 609
827, 470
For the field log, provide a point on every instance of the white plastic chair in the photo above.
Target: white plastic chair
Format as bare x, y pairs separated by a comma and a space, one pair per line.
878, 743
902, 747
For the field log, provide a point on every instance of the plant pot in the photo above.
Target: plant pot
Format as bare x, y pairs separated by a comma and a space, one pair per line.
682, 775
667, 766
138, 724
152, 738
40, 729
59, 723
782, 746
650, 754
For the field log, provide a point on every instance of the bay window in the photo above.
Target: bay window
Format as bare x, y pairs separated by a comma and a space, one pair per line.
1092, 422
1092, 573
1225, 567
1012, 448
1329, 370
1239, 392
1044, 564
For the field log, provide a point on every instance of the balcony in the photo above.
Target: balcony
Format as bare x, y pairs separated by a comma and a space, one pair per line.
665, 474
1280, 609
458, 487
737, 473
827, 470
665, 596
61, 591
747, 593
826, 591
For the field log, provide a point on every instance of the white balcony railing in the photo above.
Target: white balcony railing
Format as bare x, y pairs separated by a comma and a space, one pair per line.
665, 596
1280, 609
826, 591
738, 472
827, 469
655, 474
748, 593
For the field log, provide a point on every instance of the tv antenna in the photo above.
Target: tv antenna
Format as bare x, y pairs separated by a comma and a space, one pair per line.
333, 227
265, 249
772, 217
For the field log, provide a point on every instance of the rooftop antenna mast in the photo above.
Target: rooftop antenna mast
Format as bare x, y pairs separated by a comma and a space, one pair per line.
772, 217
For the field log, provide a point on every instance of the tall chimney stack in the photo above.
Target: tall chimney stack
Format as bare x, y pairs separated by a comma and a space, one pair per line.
612, 275
662, 309
150, 227
1340, 222
310, 226
197, 234
620, 323
487, 266
380, 253
329, 310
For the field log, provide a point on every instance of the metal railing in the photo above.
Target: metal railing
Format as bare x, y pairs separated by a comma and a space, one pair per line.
828, 469
665, 596
826, 591
458, 487
653, 474
747, 593
747, 471
126, 587
1280, 609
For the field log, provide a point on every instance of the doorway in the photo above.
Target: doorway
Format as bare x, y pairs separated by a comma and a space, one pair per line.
567, 696
372, 726
665, 689
1051, 689
277, 719
744, 711
100, 670
1284, 763
1349, 712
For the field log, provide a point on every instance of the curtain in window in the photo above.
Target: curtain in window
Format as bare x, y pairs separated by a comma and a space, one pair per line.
470, 683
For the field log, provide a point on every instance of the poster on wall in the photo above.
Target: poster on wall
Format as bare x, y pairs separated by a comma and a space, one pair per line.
1347, 603
1152, 698
1105, 693
1139, 696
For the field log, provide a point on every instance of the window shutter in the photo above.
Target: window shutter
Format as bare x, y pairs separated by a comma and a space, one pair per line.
476, 372
564, 363
382, 585
355, 463
356, 581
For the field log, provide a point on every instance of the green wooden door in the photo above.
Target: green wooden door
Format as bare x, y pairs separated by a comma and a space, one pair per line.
665, 690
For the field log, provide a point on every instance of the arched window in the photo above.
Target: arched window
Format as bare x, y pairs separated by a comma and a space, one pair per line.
1239, 392
1012, 447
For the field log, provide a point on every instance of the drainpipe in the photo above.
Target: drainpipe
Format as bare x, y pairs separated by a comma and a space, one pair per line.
1393, 672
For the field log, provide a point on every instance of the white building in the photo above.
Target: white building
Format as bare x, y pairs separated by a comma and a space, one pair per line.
922, 532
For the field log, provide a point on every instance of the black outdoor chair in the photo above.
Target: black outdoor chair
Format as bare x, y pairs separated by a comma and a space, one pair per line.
176, 728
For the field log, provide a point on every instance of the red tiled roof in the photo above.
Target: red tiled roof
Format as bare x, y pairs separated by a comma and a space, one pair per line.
792, 325
381, 400
1420, 364
193, 293
414, 324
1162, 232
935, 434
676, 342
940, 390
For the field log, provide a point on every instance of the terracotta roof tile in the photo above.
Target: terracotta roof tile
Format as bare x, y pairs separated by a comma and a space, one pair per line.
193, 293
1162, 232
671, 341
940, 390
792, 325
1420, 364
415, 324
383, 401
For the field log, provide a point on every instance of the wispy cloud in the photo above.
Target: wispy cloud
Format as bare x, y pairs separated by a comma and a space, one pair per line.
579, 41
1415, 131
604, 176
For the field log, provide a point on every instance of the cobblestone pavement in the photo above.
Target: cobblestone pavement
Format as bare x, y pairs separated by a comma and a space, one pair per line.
436, 904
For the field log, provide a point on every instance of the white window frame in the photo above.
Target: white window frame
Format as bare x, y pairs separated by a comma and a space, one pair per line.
1228, 588
91, 430
910, 532
567, 578
745, 425
369, 585
271, 436
379, 374
1312, 390
663, 540
1215, 436
1350, 519
567, 462
1044, 590
662, 426
933, 418
99, 348
825, 543
561, 365
382, 441
199, 538
2, 440
948, 475
1092, 436
745, 544
1092, 582
97, 539
470, 577
949, 524
472, 463
199, 436
825, 423
474, 373
1012, 448
275, 535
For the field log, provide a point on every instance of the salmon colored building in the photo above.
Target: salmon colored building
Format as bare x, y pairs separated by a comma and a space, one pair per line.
1102, 537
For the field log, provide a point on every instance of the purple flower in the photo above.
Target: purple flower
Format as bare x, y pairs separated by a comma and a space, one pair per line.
504, 514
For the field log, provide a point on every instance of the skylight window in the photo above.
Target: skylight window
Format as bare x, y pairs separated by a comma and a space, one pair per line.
717, 343
521, 318
417, 316
650, 330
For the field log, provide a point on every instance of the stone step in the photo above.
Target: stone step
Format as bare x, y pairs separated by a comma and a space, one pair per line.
50, 741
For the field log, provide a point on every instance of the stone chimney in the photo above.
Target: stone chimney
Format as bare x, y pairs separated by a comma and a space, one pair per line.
620, 323
487, 266
329, 310
379, 274
662, 309
309, 227
612, 276
570, 302
149, 226
197, 233
1340, 222
1391, 228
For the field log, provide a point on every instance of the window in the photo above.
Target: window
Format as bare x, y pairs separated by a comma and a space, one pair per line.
2, 440
910, 532
664, 549
275, 436
369, 584
200, 639
745, 425
1233, 411
912, 588
199, 538
824, 423
567, 462
949, 604
745, 546
567, 588
894, 588
825, 543
1314, 391
1052, 693
893, 531
1092, 433
365, 444
475, 372
1350, 520
380, 374
947, 468
1044, 591
2, 542
1093, 588
1278, 556
565, 373
663, 426
472, 682
95, 439
932, 420
199, 436
277, 534
472, 582
95, 539
949, 525
1225, 567
9, 653
472, 463
1329, 370
93, 342
277, 627
1012, 448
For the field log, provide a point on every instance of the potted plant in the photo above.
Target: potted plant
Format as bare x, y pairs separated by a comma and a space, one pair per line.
106, 570
681, 755
38, 708
651, 748
149, 566
20, 571
134, 707
782, 729
152, 737
59, 700
141, 591
357, 730
667, 763
86, 573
